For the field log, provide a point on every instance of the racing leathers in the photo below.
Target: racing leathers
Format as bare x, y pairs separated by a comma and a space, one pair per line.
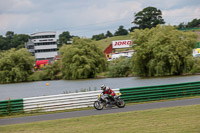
109, 92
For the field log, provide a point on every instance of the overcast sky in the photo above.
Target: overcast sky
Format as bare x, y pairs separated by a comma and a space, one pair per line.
87, 17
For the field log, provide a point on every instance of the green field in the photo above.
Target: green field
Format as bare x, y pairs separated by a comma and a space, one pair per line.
184, 119
104, 43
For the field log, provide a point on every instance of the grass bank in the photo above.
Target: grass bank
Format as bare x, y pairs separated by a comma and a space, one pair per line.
104, 43
184, 119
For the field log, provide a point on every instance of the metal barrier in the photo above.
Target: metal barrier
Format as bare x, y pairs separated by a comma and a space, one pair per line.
159, 92
51, 102
11, 106
60, 102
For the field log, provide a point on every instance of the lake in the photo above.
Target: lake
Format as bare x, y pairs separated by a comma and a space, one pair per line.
39, 88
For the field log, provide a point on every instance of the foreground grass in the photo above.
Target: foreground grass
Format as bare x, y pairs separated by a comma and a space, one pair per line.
184, 119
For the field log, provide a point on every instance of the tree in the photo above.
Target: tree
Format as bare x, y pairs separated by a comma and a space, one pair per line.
149, 17
194, 23
98, 37
162, 50
18, 41
82, 59
9, 34
181, 25
15, 65
64, 38
121, 31
52, 71
13, 40
3, 43
109, 34
133, 28
119, 67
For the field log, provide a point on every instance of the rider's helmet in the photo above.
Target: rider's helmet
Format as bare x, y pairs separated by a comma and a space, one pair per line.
103, 87
107, 88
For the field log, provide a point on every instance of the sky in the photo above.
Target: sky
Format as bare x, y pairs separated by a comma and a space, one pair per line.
85, 18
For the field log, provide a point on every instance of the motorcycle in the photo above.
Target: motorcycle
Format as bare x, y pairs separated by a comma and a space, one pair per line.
104, 100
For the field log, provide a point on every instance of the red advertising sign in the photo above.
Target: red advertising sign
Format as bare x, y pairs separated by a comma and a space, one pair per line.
121, 44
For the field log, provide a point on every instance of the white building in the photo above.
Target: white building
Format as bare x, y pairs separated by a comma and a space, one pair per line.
116, 55
43, 45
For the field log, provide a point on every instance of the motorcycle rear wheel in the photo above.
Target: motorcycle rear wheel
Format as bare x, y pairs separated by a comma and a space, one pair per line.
98, 105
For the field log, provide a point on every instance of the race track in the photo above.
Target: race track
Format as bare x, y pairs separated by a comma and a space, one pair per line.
64, 115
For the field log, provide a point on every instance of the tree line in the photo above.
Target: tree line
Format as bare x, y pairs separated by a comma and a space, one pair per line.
120, 32
195, 23
160, 51
12, 40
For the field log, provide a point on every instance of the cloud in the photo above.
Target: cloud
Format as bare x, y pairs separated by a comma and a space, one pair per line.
12, 21
185, 14
85, 18
112, 11
108, 16
14, 6
61, 16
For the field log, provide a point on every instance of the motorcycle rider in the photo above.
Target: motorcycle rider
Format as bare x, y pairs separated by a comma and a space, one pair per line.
108, 91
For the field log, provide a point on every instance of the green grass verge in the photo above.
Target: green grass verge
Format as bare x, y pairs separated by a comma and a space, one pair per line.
185, 119
104, 43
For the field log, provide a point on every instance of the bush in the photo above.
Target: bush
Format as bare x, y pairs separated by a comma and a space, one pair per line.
53, 71
196, 66
15, 65
36, 76
49, 72
119, 67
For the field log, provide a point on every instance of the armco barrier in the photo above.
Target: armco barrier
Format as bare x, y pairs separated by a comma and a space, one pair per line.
62, 101
11, 106
51, 102
150, 93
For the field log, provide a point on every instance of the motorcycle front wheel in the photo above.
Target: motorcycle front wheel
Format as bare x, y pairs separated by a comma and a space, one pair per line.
120, 103
98, 105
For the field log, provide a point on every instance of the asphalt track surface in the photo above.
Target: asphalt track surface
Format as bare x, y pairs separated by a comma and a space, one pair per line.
82, 113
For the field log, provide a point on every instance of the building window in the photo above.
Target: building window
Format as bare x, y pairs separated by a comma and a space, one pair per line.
45, 43
44, 36
45, 50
